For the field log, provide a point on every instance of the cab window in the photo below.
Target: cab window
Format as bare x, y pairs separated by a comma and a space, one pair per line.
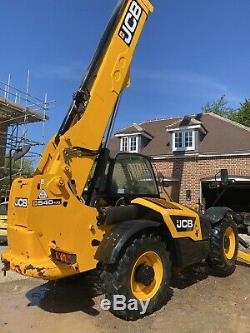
133, 174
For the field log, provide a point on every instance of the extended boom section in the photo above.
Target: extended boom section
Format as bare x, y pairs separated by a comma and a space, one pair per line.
108, 74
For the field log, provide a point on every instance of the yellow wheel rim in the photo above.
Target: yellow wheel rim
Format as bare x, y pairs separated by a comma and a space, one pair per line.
229, 243
141, 291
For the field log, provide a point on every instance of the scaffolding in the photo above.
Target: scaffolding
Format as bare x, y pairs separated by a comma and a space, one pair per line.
19, 109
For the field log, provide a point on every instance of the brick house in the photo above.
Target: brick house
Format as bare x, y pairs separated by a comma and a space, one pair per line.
189, 151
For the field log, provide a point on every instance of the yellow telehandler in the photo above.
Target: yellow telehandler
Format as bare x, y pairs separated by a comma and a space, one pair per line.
83, 208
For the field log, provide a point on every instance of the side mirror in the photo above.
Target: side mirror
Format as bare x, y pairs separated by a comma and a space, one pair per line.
160, 178
161, 181
19, 153
224, 177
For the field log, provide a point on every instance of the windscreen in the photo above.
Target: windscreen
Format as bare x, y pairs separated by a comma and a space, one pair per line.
133, 174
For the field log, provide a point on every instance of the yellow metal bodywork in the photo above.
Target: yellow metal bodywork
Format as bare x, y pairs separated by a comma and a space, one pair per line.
180, 210
244, 256
33, 230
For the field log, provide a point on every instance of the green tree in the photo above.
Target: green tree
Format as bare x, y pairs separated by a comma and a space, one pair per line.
242, 115
220, 107
19, 168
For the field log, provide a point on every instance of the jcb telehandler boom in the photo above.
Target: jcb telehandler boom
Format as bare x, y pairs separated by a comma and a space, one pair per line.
82, 207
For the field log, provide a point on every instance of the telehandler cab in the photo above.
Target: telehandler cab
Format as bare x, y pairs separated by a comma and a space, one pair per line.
83, 208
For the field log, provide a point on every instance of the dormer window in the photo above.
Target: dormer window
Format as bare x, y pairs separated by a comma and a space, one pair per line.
133, 139
186, 134
184, 140
129, 144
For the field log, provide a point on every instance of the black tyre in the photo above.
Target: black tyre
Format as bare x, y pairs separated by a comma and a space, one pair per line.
224, 248
142, 274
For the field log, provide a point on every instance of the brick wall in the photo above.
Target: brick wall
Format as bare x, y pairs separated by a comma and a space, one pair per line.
191, 171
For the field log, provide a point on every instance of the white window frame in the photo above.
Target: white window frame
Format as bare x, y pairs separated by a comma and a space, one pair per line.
129, 142
183, 148
136, 144
122, 144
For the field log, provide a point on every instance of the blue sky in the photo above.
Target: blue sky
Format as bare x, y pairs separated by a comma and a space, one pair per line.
191, 52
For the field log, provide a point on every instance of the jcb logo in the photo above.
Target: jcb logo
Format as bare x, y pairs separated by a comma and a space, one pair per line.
21, 202
185, 224
130, 22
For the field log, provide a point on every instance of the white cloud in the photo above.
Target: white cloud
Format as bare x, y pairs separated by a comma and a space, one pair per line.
67, 72
188, 84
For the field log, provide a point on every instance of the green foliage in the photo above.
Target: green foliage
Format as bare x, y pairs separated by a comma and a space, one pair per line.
19, 168
26, 166
221, 107
242, 115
